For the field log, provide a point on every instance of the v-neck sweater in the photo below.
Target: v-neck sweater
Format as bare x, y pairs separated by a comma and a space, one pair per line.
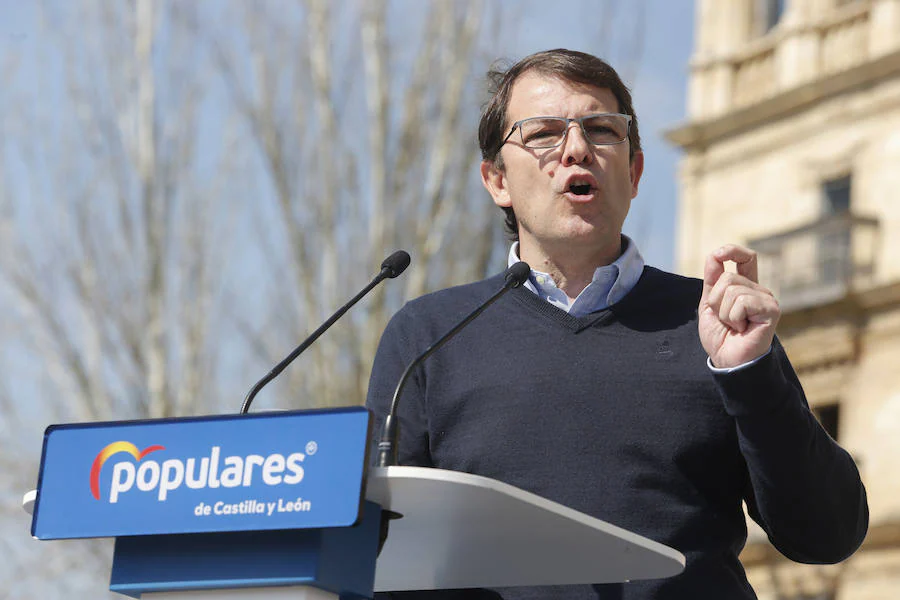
617, 415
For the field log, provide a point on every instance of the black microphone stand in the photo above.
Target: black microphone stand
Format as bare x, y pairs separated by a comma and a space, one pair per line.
392, 266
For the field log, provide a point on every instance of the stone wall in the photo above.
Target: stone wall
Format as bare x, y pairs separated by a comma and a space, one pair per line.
773, 117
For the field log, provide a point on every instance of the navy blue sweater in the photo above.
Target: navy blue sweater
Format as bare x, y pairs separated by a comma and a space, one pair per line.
617, 415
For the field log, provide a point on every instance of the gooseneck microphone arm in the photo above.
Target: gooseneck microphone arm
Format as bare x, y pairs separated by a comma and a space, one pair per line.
388, 443
392, 266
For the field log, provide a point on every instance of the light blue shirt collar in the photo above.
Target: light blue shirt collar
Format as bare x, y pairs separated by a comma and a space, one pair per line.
609, 285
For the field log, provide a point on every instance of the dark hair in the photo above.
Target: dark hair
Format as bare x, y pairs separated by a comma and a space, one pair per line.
567, 65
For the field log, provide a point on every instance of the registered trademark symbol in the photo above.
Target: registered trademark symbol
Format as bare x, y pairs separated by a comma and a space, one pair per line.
311, 448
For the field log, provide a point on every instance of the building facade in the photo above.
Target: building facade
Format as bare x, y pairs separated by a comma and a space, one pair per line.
792, 147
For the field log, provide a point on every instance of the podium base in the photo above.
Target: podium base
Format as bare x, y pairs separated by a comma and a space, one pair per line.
270, 593
281, 564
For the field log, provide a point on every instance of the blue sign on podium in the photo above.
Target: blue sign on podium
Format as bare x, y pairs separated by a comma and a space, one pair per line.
263, 471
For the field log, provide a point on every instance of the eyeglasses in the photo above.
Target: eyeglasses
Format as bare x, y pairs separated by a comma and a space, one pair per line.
605, 129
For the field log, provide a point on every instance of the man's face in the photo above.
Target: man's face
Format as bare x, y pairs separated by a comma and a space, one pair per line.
537, 184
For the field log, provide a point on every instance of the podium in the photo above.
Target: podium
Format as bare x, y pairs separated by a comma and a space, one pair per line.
182, 536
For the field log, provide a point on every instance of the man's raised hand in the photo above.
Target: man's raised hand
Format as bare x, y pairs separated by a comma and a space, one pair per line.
737, 316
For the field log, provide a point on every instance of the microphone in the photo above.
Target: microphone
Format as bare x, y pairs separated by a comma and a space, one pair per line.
392, 266
388, 443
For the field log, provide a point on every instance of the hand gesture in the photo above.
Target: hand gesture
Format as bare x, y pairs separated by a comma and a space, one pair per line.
737, 316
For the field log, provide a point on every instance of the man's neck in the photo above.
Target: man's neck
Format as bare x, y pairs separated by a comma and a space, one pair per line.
570, 270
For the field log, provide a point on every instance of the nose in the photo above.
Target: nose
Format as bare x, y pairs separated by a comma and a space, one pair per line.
576, 149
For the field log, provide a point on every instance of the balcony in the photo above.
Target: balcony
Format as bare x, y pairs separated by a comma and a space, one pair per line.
844, 41
820, 262
784, 59
755, 75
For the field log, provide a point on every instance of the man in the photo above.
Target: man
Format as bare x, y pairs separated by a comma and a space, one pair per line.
655, 402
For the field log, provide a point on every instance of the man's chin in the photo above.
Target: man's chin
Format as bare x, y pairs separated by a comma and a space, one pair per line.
585, 237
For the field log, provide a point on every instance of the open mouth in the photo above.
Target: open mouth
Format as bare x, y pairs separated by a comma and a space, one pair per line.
580, 189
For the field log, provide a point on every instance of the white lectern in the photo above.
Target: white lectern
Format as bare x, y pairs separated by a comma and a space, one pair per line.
460, 530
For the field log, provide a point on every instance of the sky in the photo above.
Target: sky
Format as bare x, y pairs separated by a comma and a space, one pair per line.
660, 93
656, 70
648, 41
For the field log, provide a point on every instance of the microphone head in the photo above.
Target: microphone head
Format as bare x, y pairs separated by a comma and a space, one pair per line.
517, 274
395, 264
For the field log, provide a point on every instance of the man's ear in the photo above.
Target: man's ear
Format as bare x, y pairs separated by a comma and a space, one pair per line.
494, 180
636, 169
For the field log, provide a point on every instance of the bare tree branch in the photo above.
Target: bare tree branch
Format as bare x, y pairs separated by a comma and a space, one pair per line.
192, 188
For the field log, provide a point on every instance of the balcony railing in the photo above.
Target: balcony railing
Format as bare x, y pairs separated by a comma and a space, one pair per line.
820, 262
841, 39
844, 42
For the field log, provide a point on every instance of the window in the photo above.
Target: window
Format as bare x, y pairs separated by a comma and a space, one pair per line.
836, 195
762, 15
834, 242
770, 12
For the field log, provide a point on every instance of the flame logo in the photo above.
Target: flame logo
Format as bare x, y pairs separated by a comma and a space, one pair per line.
111, 449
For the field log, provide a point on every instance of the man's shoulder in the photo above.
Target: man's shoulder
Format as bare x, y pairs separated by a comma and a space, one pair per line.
662, 295
657, 281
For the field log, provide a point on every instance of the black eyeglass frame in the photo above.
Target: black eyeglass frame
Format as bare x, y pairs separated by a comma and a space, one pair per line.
579, 120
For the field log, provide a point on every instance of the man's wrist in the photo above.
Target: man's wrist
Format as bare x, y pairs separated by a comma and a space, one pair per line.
739, 367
